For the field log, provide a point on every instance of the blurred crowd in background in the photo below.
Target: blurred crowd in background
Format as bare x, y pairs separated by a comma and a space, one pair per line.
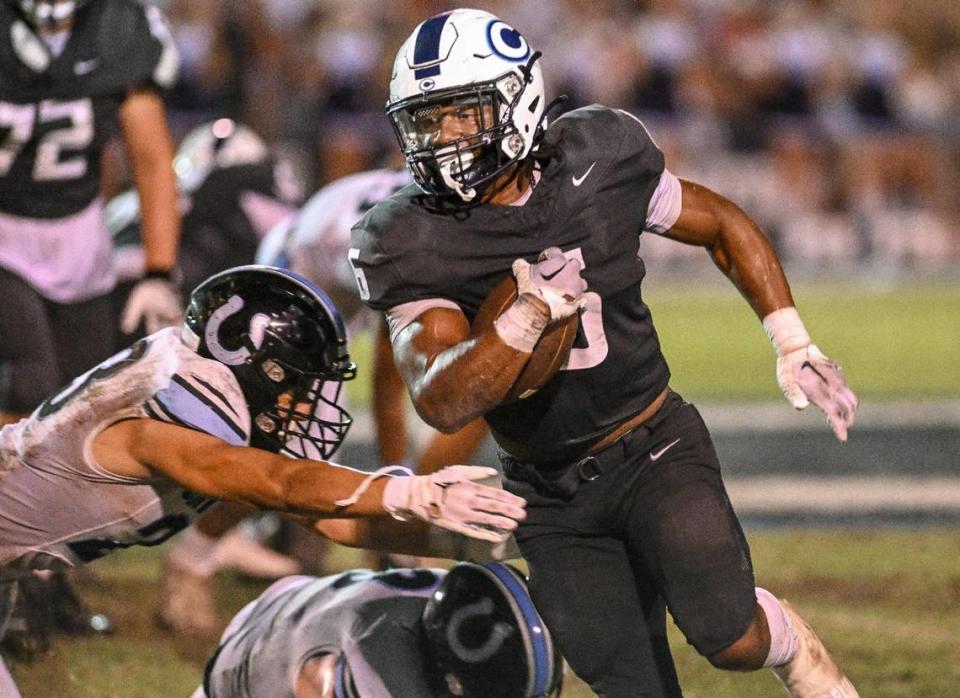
834, 123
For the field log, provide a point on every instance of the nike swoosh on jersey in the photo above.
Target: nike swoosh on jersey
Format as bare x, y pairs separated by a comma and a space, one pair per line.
577, 181
655, 455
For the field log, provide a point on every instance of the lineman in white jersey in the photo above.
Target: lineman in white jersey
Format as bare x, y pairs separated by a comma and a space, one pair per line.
469, 632
314, 243
239, 405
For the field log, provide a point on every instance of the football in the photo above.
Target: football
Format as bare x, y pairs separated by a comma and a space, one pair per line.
549, 354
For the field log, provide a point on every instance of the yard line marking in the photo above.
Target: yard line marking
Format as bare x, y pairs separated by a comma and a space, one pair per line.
843, 494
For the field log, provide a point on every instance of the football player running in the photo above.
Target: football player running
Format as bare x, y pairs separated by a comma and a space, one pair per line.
627, 512
470, 632
240, 404
75, 74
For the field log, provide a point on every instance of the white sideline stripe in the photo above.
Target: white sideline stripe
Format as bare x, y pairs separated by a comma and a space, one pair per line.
776, 416
843, 494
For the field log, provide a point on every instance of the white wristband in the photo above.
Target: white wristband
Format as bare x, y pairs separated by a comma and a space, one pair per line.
786, 331
521, 325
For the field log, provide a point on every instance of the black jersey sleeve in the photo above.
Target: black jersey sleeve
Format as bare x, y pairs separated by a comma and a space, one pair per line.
635, 167
136, 45
611, 166
392, 253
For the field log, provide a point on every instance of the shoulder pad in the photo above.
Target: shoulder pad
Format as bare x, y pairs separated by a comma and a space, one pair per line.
202, 394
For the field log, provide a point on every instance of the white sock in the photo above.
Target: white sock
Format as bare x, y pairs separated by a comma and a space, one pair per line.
783, 636
193, 551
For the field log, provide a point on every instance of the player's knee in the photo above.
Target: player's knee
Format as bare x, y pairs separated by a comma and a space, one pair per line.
749, 651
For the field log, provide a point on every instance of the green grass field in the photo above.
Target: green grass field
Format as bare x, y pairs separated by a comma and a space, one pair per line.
887, 604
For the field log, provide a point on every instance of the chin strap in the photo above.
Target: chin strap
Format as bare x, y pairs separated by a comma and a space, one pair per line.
527, 68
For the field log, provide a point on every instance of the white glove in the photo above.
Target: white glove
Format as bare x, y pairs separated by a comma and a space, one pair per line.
153, 301
805, 375
555, 280
454, 498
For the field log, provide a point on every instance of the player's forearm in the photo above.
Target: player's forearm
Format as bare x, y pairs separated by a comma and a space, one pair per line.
466, 381
150, 149
156, 187
256, 478
301, 486
748, 259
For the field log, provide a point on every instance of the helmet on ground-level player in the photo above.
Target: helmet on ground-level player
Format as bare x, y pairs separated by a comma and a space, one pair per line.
285, 342
48, 14
482, 637
213, 146
467, 65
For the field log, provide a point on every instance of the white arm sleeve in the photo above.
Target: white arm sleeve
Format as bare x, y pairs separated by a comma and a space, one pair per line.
664, 208
399, 316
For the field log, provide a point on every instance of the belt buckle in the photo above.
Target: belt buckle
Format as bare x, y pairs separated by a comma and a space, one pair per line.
584, 472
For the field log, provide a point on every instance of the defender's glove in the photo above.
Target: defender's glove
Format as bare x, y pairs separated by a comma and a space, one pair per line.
555, 280
155, 302
454, 498
805, 375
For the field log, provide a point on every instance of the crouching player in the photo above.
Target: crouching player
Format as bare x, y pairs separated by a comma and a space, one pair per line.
471, 632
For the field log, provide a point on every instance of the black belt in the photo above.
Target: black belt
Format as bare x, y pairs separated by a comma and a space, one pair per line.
564, 479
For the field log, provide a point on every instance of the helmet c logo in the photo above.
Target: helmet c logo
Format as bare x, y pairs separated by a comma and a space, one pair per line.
232, 357
494, 641
506, 41
427, 85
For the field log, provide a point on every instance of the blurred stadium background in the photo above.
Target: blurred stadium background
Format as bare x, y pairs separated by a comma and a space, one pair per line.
836, 125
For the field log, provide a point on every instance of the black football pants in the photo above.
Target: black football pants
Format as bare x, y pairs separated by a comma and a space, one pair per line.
653, 532
45, 344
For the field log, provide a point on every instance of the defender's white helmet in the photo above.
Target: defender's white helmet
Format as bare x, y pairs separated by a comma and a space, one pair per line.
477, 64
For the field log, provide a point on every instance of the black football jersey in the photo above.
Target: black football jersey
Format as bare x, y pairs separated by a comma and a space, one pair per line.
592, 202
58, 112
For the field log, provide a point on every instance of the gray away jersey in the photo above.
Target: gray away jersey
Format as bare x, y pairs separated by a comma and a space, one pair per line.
370, 619
58, 507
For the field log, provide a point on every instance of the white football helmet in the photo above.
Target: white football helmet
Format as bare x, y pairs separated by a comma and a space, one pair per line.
214, 146
473, 68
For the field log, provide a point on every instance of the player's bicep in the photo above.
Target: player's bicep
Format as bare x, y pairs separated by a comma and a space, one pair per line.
698, 222
144, 448
421, 330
